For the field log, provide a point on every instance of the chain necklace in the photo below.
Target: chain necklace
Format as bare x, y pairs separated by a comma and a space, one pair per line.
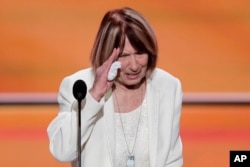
130, 159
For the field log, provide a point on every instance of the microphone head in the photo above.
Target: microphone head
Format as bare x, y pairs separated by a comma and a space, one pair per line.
79, 90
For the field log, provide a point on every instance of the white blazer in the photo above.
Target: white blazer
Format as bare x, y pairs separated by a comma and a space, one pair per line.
164, 94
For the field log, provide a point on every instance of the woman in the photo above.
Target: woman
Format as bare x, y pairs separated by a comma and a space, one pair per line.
133, 120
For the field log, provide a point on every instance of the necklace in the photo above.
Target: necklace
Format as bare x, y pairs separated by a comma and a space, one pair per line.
130, 158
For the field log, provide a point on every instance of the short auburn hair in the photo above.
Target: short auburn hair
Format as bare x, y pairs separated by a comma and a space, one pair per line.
115, 26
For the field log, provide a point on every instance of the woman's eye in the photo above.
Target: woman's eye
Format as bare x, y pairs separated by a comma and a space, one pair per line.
139, 53
123, 55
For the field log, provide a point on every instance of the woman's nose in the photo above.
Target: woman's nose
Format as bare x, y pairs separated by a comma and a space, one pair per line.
133, 63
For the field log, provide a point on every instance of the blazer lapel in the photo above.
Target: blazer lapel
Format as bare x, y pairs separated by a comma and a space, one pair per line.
153, 108
109, 127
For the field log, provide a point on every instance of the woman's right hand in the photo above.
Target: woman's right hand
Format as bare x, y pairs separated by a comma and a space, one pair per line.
101, 84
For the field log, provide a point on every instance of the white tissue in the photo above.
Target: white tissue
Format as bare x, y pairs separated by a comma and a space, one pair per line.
113, 70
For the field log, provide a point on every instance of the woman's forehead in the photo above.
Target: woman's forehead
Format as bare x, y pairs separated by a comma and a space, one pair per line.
128, 48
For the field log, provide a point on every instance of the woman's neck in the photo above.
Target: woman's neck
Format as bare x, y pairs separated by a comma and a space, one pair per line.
129, 99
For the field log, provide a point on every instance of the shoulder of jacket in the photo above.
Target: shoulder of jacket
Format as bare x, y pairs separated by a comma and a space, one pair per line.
163, 79
82, 73
87, 75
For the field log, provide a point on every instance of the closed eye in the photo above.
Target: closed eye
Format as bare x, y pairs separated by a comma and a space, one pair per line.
124, 55
139, 53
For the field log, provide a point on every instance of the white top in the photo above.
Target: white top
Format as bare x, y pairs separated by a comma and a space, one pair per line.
130, 123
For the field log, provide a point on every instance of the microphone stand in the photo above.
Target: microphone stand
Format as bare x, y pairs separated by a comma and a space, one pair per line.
79, 92
79, 134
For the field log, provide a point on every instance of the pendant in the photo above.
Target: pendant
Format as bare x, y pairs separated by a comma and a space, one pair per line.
130, 161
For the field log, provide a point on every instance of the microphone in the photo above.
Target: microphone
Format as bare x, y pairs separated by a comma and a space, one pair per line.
79, 92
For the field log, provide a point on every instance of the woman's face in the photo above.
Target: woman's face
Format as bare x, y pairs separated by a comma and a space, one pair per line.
133, 66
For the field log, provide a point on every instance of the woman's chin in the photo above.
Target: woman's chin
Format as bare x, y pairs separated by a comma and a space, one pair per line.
132, 82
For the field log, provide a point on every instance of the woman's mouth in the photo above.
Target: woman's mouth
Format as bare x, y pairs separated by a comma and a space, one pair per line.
133, 75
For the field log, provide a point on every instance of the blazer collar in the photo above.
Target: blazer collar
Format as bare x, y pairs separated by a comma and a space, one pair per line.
109, 125
153, 108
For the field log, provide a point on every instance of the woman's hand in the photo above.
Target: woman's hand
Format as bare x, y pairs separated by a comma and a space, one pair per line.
101, 84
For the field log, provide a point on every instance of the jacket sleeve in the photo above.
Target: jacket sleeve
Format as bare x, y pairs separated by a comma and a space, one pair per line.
62, 131
175, 158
